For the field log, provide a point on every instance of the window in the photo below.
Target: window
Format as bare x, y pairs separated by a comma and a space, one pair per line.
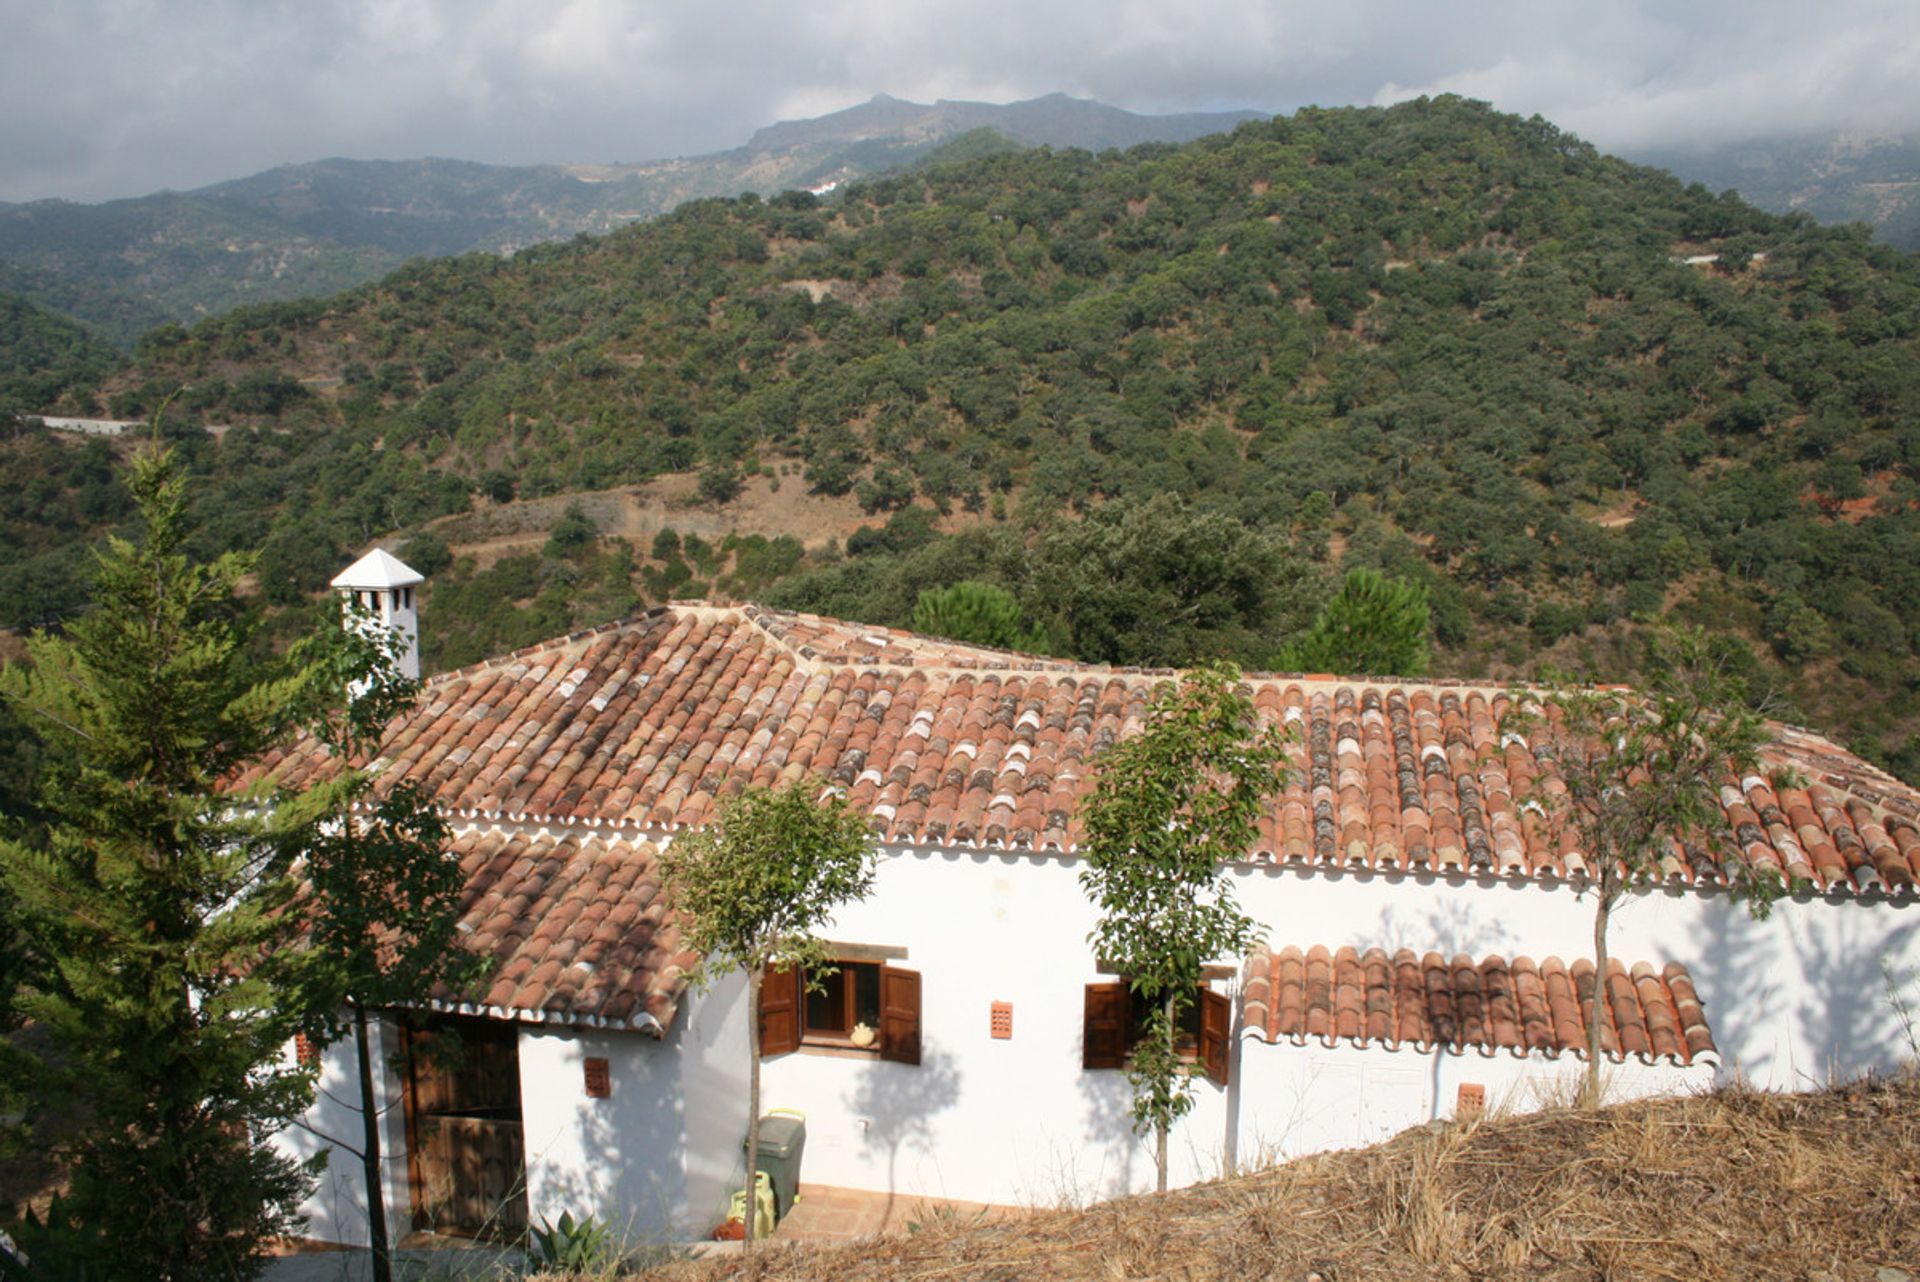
861, 1006
1114, 1016
843, 1005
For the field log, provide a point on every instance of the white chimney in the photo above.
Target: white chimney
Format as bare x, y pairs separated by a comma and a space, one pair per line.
383, 584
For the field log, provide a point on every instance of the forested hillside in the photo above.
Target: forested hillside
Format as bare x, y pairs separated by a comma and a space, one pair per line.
127, 265
305, 230
1160, 396
42, 355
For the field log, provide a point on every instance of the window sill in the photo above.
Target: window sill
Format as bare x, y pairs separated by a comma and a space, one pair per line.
840, 1050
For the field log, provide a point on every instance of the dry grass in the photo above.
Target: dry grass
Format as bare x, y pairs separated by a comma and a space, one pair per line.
1734, 1185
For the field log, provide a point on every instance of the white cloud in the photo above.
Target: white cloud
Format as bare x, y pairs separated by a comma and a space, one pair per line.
117, 97
1760, 72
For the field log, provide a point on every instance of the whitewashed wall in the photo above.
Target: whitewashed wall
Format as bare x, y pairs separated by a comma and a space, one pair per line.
659, 1156
1014, 1121
1298, 1100
1792, 1000
337, 1210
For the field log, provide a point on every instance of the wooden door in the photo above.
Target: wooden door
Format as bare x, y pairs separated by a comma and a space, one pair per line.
467, 1152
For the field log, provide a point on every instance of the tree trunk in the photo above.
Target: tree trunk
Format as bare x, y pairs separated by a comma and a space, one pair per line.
753, 1101
1597, 1003
370, 1154
1160, 1123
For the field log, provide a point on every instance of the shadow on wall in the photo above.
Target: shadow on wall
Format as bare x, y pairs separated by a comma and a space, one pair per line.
628, 1158
1850, 1013
1451, 928
900, 1102
338, 1204
581, 1170
332, 1125
1831, 1001
1110, 1139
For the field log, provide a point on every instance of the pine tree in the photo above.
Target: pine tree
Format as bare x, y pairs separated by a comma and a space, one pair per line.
978, 613
1373, 626
155, 910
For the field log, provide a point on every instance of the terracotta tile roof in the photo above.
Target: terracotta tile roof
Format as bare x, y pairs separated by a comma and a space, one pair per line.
648, 723
575, 927
1429, 1001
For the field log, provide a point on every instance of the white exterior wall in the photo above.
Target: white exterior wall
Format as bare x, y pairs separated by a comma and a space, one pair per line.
1013, 1121
337, 1210
1298, 1100
1792, 1001
659, 1157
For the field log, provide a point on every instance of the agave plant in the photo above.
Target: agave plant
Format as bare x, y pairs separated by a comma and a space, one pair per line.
574, 1246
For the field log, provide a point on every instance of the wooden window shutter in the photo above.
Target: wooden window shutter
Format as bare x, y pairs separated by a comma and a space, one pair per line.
1216, 1035
1103, 1032
779, 1011
900, 1015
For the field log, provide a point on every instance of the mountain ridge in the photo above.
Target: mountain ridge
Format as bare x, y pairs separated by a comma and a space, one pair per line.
310, 228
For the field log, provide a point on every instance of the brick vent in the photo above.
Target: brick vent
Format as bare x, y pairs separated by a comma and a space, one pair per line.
1002, 1021
305, 1051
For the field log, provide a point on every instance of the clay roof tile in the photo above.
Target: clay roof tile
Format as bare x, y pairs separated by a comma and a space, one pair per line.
1489, 1005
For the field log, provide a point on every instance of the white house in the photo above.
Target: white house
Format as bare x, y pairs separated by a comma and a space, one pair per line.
1422, 931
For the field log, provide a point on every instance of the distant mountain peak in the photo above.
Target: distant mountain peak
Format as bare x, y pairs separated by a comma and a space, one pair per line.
1056, 119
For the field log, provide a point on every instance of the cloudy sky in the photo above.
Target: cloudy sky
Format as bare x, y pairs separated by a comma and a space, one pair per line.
104, 98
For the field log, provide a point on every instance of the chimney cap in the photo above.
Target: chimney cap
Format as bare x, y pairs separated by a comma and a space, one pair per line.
378, 569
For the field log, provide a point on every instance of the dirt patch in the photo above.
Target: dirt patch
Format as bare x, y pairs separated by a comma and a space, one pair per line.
820, 289
1619, 516
637, 513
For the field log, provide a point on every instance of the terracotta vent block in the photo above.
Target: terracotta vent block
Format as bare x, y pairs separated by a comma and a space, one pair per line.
1002, 1022
1472, 1100
305, 1051
599, 1079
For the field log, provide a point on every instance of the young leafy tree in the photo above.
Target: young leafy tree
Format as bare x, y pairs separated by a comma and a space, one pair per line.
380, 893
1635, 778
751, 891
156, 909
1373, 626
1171, 806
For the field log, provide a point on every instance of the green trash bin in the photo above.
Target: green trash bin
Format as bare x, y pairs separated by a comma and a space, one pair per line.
783, 1137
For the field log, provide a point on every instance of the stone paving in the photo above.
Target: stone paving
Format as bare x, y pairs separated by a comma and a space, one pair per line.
826, 1214
444, 1260
821, 1214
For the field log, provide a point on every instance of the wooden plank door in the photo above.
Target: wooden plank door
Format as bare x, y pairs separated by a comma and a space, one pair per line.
468, 1151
